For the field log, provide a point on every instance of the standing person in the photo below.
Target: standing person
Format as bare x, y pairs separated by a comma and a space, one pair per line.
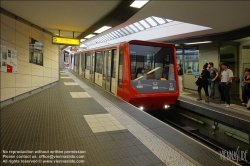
180, 76
242, 84
226, 79
222, 98
213, 76
204, 83
246, 80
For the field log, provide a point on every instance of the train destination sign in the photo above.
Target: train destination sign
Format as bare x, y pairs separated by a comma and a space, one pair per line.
65, 41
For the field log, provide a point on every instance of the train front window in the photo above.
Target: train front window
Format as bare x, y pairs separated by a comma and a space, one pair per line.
151, 63
152, 68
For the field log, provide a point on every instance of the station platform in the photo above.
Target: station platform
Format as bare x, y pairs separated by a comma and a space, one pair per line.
76, 115
236, 115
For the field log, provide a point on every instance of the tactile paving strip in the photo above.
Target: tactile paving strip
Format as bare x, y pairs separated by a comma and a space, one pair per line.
163, 151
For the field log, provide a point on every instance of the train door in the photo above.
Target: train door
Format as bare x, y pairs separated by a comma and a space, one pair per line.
108, 80
87, 65
113, 71
80, 65
77, 63
98, 67
104, 74
120, 73
83, 64
92, 67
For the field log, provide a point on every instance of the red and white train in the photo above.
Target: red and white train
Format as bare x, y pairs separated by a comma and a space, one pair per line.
140, 72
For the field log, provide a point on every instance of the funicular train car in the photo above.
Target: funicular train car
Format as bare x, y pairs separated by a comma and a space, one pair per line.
140, 72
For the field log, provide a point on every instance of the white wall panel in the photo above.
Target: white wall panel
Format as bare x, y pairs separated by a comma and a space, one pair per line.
48, 44
37, 35
54, 57
22, 41
55, 48
36, 70
23, 81
36, 81
46, 80
55, 73
23, 29
7, 80
7, 33
48, 37
8, 21
47, 72
8, 44
7, 93
47, 62
54, 65
23, 54
24, 67
47, 53
20, 91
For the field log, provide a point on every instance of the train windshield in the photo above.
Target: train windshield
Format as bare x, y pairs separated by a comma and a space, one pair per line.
153, 67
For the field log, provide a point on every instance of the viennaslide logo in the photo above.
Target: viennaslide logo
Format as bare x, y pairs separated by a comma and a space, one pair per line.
234, 155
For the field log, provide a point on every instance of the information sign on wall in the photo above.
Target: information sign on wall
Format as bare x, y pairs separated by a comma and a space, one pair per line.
8, 60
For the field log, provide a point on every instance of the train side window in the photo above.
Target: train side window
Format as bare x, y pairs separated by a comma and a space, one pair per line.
99, 62
121, 59
113, 63
87, 61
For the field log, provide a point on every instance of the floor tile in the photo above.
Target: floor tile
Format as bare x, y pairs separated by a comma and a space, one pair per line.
121, 127
98, 129
70, 83
107, 124
104, 119
111, 128
89, 116
91, 125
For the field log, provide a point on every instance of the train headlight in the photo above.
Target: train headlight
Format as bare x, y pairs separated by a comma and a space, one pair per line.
141, 108
166, 106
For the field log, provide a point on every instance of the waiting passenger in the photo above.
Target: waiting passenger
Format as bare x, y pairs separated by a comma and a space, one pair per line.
242, 83
213, 76
204, 83
189, 70
180, 75
246, 95
222, 98
226, 79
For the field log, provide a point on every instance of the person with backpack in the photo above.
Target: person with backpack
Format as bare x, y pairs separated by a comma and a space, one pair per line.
213, 76
205, 75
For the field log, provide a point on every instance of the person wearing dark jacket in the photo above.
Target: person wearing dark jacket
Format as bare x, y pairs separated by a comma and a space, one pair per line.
205, 75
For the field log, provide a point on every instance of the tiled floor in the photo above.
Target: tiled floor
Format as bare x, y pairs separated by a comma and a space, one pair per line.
79, 95
112, 132
66, 77
70, 83
103, 123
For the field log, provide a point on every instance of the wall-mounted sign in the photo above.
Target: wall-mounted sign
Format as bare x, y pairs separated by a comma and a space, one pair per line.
8, 59
204, 60
65, 41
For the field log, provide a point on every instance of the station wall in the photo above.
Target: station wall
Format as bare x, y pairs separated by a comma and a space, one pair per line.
15, 34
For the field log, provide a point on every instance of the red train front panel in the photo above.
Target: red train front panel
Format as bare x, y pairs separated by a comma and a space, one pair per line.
149, 74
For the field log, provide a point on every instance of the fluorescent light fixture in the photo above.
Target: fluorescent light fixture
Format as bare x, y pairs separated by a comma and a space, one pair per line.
89, 36
102, 29
198, 42
82, 40
138, 4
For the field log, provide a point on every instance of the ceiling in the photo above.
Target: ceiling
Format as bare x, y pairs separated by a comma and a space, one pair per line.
66, 16
78, 16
